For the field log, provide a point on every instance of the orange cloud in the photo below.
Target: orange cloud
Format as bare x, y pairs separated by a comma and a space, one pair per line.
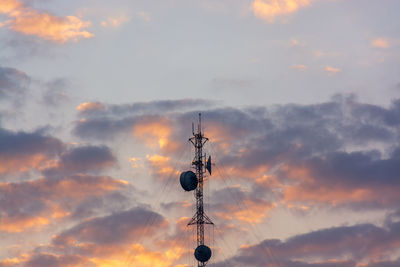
380, 43
161, 166
156, 132
52, 195
222, 136
88, 106
299, 67
136, 162
295, 43
332, 70
135, 255
268, 10
28, 21
254, 211
305, 188
115, 21
21, 223
24, 163
328, 195
9, 262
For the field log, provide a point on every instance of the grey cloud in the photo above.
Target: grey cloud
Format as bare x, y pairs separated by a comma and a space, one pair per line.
107, 123
21, 143
122, 227
385, 264
22, 152
148, 108
378, 115
13, 84
38, 197
55, 92
84, 159
332, 247
47, 260
103, 128
317, 136
357, 168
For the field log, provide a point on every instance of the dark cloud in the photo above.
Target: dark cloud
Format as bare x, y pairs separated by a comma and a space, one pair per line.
19, 143
23, 151
149, 108
13, 84
102, 128
48, 260
357, 168
45, 199
83, 159
384, 264
257, 141
128, 226
111, 120
325, 247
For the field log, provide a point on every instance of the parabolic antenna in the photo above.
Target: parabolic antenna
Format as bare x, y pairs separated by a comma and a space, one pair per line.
208, 165
202, 253
188, 181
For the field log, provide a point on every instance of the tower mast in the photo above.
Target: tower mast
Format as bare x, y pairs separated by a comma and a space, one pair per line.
189, 182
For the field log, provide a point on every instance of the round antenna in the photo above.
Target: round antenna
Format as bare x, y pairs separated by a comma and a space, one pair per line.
188, 180
202, 253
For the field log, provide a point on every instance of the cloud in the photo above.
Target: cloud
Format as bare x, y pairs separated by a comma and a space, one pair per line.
112, 240
287, 151
144, 16
161, 166
338, 153
13, 84
384, 264
113, 120
332, 70
359, 177
268, 10
55, 93
103, 128
143, 108
326, 247
299, 67
28, 21
17, 224
121, 227
90, 106
296, 43
22, 151
31, 204
155, 131
115, 22
234, 203
47, 259
380, 42
83, 159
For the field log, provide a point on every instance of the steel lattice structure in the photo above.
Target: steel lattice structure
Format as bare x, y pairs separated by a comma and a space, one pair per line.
199, 163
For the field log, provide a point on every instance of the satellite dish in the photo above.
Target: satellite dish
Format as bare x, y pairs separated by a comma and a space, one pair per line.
188, 180
208, 165
202, 253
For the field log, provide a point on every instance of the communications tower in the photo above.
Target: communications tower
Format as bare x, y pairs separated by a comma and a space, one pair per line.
194, 181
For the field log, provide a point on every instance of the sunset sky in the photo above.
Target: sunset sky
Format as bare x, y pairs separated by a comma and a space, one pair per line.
300, 100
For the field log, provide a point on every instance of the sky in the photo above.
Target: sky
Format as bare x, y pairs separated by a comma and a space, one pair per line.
300, 100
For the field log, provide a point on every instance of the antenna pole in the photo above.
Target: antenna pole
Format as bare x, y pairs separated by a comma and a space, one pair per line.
200, 218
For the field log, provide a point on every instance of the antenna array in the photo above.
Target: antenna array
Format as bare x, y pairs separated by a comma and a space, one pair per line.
195, 181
